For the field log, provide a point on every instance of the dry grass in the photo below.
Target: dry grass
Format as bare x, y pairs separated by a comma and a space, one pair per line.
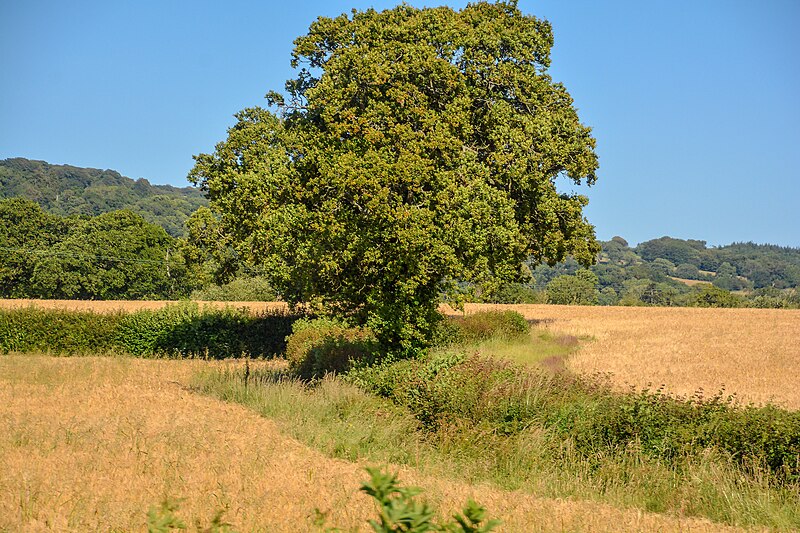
90, 444
691, 282
751, 352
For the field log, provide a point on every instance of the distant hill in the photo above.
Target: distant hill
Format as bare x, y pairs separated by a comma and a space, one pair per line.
66, 190
666, 271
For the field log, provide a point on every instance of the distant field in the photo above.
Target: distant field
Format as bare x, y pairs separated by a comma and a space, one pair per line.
751, 352
89, 444
754, 353
692, 282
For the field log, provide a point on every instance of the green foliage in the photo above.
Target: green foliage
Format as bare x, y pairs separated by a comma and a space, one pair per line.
450, 390
510, 293
317, 347
713, 296
65, 190
580, 289
418, 147
58, 332
116, 255
240, 289
177, 331
687, 271
164, 519
399, 511
608, 296
481, 326
24, 226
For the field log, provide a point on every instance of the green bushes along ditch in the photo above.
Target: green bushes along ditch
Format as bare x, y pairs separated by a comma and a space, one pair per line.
181, 330
451, 389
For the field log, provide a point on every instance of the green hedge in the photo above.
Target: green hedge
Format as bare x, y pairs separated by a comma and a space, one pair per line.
182, 330
322, 345
586, 416
54, 331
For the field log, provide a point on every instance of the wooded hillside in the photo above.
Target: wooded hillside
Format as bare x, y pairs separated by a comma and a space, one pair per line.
67, 190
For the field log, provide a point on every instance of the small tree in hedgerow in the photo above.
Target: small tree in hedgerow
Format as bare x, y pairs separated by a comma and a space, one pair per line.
417, 148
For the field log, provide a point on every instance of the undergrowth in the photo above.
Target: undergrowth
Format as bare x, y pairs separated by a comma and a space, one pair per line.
459, 414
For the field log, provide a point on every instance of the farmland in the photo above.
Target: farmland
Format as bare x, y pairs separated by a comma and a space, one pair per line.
93, 443
750, 352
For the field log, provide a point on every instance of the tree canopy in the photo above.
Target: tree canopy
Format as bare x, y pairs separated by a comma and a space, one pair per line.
68, 190
115, 255
416, 148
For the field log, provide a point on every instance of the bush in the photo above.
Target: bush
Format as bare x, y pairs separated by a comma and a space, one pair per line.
713, 296
244, 289
320, 346
398, 510
479, 327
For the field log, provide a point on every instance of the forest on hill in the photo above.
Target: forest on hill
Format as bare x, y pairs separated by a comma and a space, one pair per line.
669, 271
67, 190
71, 232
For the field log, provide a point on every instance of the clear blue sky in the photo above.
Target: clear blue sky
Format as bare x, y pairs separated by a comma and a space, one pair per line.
695, 105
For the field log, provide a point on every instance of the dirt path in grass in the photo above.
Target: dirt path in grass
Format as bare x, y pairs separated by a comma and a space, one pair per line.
90, 444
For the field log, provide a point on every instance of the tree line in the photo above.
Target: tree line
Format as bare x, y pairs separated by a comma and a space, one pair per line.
120, 255
111, 256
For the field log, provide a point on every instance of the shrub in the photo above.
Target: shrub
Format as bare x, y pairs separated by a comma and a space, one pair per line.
480, 326
398, 510
713, 296
243, 289
320, 346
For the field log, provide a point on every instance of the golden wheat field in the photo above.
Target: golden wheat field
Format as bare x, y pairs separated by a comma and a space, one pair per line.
89, 444
753, 353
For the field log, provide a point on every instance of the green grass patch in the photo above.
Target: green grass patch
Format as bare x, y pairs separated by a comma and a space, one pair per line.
540, 347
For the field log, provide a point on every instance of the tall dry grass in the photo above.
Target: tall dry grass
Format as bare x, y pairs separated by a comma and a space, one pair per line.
90, 444
753, 353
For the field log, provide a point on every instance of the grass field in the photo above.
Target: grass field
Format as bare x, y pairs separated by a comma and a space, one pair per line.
91, 444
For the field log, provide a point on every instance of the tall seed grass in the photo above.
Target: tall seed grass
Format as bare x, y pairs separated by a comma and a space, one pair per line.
345, 422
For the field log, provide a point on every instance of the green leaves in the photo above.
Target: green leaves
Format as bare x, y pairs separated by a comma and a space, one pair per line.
417, 147
115, 255
399, 511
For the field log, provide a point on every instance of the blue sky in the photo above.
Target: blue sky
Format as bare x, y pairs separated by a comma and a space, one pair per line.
695, 105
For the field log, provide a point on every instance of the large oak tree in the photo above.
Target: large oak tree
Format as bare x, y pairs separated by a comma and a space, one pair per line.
416, 147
